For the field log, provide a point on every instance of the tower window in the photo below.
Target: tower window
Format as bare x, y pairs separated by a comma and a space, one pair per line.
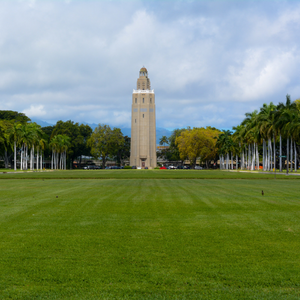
143, 115
150, 100
135, 100
143, 100
135, 120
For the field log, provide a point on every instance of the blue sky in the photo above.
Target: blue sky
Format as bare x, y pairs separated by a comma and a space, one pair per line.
209, 62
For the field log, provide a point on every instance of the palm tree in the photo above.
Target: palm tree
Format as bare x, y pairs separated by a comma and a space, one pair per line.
15, 135
268, 131
284, 122
224, 143
164, 140
59, 144
251, 136
238, 139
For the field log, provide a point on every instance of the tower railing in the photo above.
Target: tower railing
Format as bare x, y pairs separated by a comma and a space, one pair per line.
143, 91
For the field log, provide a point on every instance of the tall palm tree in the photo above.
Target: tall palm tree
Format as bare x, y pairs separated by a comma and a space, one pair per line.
268, 130
238, 140
15, 136
284, 120
224, 142
251, 136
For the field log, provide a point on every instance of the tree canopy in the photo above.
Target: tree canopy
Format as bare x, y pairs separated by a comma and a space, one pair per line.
105, 142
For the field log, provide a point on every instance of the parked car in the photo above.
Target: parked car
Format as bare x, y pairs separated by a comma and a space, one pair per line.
171, 167
180, 167
91, 168
133, 167
163, 168
186, 167
198, 168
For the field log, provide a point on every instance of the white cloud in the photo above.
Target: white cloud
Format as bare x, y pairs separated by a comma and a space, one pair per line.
35, 111
262, 74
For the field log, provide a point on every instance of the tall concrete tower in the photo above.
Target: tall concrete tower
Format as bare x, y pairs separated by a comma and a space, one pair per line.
143, 127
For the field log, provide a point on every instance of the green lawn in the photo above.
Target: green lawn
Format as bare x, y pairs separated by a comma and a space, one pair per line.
142, 174
149, 238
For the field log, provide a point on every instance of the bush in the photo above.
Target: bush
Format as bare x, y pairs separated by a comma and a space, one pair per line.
127, 167
156, 168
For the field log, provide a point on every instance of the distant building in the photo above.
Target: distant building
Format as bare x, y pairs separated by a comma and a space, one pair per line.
143, 124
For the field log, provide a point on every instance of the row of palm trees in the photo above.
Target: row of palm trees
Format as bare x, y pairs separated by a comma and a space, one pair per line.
263, 133
30, 142
59, 145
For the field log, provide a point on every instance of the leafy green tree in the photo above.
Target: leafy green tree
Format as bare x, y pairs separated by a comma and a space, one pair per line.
4, 140
10, 115
105, 142
123, 150
172, 153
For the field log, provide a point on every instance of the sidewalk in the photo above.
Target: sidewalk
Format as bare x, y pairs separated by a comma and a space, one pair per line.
264, 172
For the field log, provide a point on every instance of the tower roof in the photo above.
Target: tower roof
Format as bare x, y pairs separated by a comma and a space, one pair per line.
143, 69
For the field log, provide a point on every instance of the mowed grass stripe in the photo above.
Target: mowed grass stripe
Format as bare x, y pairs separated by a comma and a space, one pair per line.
143, 174
149, 239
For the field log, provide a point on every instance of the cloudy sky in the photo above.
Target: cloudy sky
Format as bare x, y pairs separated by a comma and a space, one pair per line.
209, 62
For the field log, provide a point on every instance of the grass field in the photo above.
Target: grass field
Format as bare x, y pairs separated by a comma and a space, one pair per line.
140, 237
142, 174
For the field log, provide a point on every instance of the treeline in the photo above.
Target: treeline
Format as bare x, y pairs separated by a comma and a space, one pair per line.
30, 145
267, 139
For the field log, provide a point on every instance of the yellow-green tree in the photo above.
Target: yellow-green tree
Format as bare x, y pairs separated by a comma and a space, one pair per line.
198, 143
298, 104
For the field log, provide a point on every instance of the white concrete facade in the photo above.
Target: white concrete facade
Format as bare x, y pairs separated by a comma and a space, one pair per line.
143, 124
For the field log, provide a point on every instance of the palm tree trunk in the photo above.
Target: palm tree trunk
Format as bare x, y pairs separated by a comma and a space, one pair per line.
257, 157
37, 157
253, 157
280, 153
32, 158
15, 155
52, 160
26, 158
287, 155
242, 160
295, 156
263, 154
274, 152
227, 161
271, 155
266, 156
291, 149
41, 160
236, 162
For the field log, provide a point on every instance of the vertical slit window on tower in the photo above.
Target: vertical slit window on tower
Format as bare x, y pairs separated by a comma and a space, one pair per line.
143, 100
135, 100
150, 100
143, 115
135, 120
